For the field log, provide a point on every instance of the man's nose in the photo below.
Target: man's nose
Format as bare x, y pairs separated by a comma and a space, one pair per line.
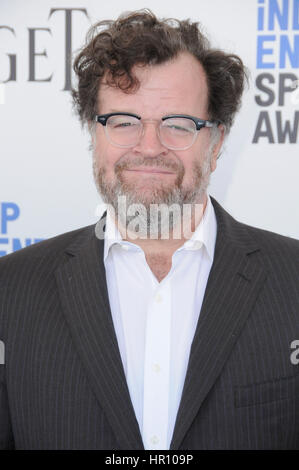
149, 143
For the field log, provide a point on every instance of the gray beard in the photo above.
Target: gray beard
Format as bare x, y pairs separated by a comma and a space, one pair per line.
146, 217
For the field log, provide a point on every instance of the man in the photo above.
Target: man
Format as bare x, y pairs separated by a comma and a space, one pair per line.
122, 335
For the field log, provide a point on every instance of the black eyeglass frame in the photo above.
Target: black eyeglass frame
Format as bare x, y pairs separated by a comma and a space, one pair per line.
199, 123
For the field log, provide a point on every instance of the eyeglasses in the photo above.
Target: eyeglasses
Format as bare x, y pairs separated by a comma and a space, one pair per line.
176, 132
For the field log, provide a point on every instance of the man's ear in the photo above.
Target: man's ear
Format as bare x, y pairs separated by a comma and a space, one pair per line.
217, 147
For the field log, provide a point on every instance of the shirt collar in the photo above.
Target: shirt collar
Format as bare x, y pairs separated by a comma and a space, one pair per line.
204, 235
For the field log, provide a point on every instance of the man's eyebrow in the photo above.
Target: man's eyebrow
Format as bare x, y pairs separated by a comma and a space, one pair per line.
168, 113
123, 111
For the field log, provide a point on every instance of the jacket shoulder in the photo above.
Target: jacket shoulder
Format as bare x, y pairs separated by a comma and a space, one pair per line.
50, 248
273, 242
244, 236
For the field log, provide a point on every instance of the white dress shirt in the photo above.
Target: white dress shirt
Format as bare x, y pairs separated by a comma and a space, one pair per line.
155, 322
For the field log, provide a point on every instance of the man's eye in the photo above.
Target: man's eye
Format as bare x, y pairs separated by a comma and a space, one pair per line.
120, 125
124, 124
178, 129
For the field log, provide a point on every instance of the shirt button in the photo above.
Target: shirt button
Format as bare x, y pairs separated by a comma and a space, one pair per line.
158, 298
154, 440
156, 368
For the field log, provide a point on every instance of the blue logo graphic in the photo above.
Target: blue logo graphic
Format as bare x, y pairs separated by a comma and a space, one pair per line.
279, 50
10, 212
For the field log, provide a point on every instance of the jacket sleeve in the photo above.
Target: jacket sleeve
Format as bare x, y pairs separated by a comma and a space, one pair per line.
6, 435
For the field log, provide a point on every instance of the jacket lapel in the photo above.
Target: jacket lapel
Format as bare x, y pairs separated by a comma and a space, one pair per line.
234, 283
84, 297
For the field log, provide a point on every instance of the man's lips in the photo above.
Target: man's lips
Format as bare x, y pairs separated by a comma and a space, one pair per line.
150, 170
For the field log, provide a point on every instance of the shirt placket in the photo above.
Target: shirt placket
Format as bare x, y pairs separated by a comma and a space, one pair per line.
157, 369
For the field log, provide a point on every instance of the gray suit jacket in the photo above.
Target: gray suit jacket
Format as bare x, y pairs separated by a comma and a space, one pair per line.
63, 386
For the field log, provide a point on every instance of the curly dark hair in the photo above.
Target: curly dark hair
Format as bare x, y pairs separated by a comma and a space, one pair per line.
113, 47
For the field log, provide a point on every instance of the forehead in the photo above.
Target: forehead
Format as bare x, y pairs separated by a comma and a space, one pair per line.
177, 86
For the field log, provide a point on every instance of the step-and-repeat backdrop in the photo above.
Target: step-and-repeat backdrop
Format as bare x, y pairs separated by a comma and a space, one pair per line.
46, 183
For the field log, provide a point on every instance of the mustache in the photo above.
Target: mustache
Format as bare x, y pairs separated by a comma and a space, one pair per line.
157, 162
